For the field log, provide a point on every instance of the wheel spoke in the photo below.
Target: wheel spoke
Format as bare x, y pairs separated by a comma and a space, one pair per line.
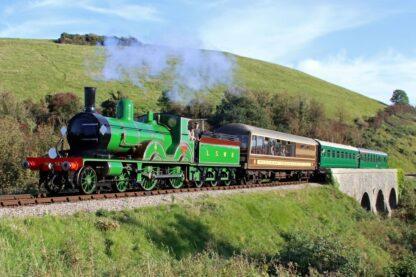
87, 180
176, 182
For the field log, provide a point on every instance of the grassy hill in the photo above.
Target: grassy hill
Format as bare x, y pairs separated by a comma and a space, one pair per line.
34, 68
396, 136
237, 235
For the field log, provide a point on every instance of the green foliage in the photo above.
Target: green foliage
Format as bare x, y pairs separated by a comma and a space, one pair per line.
61, 107
404, 267
326, 254
87, 39
92, 39
407, 201
237, 108
108, 107
393, 131
24, 135
400, 180
399, 97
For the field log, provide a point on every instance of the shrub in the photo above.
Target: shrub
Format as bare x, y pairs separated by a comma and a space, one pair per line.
14, 145
406, 266
325, 254
407, 201
93, 39
62, 106
400, 180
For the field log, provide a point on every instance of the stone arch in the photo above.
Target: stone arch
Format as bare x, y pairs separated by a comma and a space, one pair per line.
393, 199
365, 201
380, 205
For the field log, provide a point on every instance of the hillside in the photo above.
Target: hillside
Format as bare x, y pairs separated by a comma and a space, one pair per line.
252, 234
34, 68
396, 136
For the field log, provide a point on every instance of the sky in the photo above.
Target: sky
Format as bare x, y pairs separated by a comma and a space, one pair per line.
366, 46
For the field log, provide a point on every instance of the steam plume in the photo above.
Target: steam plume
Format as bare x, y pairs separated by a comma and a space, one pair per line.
185, 70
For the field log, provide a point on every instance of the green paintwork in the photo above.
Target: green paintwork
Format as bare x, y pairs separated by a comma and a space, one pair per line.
125, 110
114, 168
370, 160
128, 134
338, 157
214, 154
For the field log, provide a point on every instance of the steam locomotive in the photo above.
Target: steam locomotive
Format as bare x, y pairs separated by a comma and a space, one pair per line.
161, 150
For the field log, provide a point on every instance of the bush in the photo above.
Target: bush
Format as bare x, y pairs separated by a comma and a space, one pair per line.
325, 254
407, 201
62, 106
400, 180
404, 267
14, 145
93, 39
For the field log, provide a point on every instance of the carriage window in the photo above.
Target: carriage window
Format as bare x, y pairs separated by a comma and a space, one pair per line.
253, 144
260, 145
272, 147
277, 147
291, 150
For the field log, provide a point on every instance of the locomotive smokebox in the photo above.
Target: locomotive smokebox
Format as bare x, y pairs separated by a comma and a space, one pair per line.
89, 99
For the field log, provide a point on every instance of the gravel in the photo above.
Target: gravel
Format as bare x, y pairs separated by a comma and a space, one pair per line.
131, 202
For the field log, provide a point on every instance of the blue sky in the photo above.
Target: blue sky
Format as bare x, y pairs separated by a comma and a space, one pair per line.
367, 46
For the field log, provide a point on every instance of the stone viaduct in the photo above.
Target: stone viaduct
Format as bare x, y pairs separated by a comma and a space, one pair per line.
375, 189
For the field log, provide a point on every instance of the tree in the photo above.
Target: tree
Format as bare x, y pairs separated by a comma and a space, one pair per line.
236, 108
62, 106
399, 97
109, 105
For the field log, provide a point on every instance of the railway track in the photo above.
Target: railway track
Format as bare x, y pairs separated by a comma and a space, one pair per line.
18, 200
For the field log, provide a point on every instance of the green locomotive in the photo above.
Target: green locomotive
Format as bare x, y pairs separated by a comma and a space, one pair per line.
123, 153
162, 150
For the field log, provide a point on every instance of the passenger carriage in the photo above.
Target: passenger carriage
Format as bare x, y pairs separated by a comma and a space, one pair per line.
267, 154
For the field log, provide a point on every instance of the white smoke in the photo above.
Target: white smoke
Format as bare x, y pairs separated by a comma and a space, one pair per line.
185, 70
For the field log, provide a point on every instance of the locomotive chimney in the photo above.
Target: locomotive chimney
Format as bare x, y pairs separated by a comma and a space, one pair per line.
89, 99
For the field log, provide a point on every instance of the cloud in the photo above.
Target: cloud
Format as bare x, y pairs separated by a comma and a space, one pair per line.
376, 77
32, 28
272, 30
133, 12
130, 12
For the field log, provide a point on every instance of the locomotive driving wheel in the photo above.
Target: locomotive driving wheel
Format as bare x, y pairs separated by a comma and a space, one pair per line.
148, 181
122, 182
176, 182
87, 180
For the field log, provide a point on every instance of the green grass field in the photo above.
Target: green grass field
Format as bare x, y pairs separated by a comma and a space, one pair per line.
236, 235
34, 68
